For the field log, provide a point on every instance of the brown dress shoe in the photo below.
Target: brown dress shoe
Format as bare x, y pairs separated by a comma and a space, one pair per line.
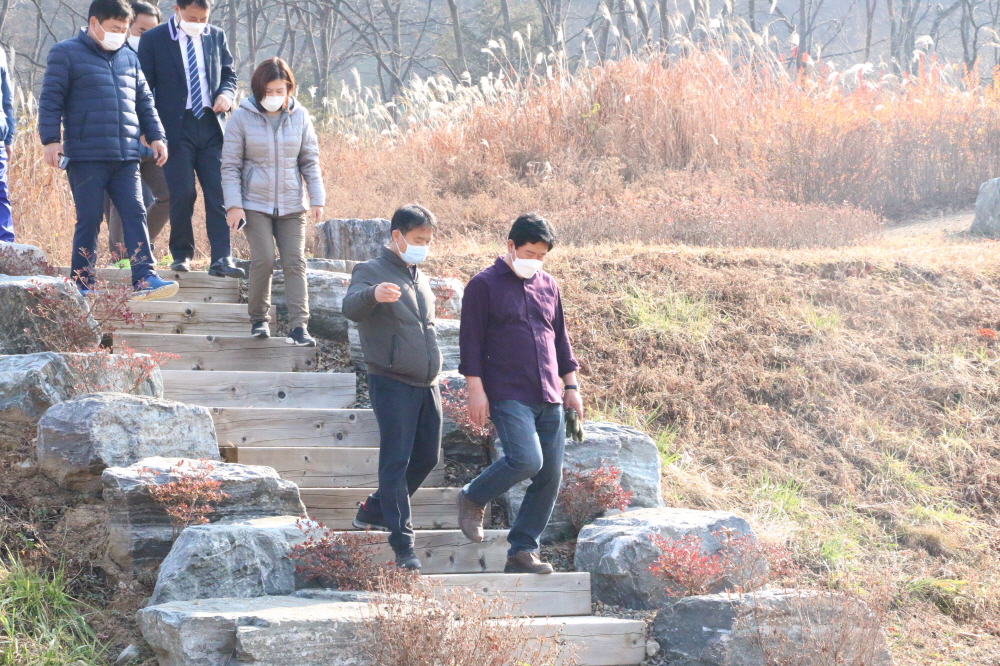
526, 562
470, 518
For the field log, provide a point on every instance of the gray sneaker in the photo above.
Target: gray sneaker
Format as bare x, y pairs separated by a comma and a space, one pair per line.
470, 518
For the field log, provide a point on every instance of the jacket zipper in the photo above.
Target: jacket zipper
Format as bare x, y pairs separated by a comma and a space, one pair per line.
277, 166
118, 99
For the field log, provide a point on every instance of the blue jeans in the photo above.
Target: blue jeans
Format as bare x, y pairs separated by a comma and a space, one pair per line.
409, 425
6, 219
89, 181
533, 437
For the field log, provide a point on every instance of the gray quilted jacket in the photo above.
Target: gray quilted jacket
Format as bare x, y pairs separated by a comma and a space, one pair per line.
271, 171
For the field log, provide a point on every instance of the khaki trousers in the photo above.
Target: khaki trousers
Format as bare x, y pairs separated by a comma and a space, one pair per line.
289, 233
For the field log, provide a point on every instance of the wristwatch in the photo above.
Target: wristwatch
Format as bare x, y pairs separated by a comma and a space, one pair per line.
571, 387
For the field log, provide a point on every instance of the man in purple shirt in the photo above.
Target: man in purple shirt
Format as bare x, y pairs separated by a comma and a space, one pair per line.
521, 374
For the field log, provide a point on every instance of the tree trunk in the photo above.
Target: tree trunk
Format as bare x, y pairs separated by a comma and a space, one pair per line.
457, 27
505, 14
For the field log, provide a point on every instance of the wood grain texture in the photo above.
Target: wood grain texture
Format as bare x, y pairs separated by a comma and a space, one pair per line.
448, 551
431, 508
323, 467
284, 427
195, 286
191, 318
528, 595
599, 641
214, 352
301, 390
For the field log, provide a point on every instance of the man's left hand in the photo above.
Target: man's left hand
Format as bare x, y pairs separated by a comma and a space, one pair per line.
572, 400
159, 152
222, 104
316, 213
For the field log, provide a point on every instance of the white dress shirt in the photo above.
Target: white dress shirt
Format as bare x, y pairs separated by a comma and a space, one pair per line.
199, 53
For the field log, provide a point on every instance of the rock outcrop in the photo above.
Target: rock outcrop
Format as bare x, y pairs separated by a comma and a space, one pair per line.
605, 444
770, 627
353, 240
21, 332
987, 220
326, 298
79, 438
141, 530
617, 551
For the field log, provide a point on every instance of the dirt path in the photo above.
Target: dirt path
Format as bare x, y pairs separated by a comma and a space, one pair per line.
944, 224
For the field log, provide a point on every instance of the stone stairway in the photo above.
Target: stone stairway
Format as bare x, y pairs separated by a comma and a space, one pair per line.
268, 409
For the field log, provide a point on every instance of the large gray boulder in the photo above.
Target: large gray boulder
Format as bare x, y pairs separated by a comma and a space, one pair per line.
332, 265
141, 531
605, 444
326, 298
449, 293
135, 374
266, 631
353, 240
244, 559
24, 333
987, 221
447, 339
34, 254
79, 438
617, 551
802, 627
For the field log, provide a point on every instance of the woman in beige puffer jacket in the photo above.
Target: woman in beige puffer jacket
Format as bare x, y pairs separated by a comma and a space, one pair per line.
270, 178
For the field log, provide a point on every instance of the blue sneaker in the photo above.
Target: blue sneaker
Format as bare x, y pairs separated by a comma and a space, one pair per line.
154, 288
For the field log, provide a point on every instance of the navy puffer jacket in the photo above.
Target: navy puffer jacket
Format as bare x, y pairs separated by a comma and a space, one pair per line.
102, 99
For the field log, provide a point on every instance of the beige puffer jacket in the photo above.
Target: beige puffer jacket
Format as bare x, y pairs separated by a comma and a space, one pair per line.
271, 171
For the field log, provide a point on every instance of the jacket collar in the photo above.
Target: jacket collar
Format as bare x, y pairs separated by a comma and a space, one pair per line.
394, 258
173, 25
502, 266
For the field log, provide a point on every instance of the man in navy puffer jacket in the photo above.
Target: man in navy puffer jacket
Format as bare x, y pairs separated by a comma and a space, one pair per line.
95, 91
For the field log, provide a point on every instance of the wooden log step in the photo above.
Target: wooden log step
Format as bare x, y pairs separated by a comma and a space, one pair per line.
191, 318
527, 595
599, 641
321, 467
216, 352
449, 552
195, 286
301, 390
285, 427
432, 508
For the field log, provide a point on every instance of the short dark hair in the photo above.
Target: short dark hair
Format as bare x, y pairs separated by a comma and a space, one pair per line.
103, 10
532, 228
272, 69
204, 4
410, 217
150, 9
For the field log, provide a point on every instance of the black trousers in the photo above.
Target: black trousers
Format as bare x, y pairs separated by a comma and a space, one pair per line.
409, 423
198, 151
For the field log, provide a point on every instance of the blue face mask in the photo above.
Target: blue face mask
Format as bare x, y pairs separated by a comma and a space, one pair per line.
414, 253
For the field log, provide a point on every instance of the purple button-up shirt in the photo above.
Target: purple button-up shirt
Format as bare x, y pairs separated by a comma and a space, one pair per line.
513, 336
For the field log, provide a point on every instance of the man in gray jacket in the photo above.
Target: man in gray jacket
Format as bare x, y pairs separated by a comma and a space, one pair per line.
393, 304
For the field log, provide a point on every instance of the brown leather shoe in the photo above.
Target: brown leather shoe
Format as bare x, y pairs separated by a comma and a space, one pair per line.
526, 562
470, 518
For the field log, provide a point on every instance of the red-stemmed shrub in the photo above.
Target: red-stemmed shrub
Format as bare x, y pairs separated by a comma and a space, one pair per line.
189, 499
123, 372
586, 495
454, 404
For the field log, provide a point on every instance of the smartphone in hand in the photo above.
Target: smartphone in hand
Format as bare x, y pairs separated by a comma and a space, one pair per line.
63, 162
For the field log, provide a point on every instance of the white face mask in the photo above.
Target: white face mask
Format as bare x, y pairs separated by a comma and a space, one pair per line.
525, 268
192, 29
133, 41
112, 40
414, 253
273, 102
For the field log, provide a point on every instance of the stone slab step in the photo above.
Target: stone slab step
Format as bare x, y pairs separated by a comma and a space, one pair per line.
320, 467
528, 595
432, 508
195, 286
217, 352
299, 390
279, 630
287, 427
181, 317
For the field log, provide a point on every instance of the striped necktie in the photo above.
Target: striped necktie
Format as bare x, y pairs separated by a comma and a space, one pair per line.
194, 81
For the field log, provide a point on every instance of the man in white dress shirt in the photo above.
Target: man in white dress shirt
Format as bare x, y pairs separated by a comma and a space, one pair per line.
190, 70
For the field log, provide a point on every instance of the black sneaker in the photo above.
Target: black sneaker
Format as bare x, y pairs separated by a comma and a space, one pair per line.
407, 559
182, 266
260, 329
226, 268
369, 520
300, 337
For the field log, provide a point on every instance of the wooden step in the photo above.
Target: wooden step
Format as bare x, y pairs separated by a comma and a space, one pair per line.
432, 508
599, 641
191, 318
286, 427
195, 286
448, 551
217, 352
301, 390
528, 595
321, 467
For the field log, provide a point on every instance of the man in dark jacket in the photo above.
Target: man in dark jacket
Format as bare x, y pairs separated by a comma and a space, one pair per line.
190, 71
393, 303
93, 110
